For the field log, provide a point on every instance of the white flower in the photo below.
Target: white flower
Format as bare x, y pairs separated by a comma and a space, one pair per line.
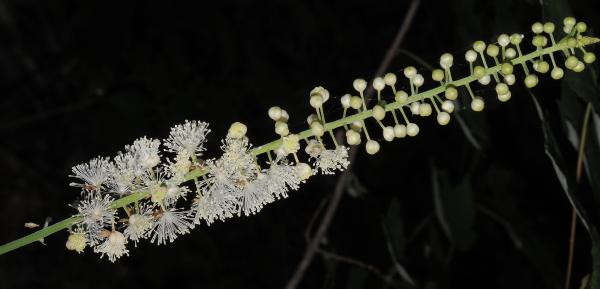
187, 138
174, 193
213, 205
94, 174
139, 223
254, 195
281, 178
122, 177
146, 153
113, 246
96, 213
179, 168
169, 224
223, 188
331, 160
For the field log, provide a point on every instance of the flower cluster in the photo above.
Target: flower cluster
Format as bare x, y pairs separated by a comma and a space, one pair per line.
159, 190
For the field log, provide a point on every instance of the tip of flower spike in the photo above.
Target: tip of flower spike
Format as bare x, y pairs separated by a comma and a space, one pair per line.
583, 41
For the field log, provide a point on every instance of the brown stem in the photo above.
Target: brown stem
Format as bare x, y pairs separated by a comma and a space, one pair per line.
578, 174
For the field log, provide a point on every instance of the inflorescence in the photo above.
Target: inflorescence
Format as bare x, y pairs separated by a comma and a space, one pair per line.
160, 189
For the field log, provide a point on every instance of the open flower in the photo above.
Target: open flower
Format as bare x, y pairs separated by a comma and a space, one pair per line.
96, 212
139, 223
169, 224
94, 174
113, 246
331, 160
187, 138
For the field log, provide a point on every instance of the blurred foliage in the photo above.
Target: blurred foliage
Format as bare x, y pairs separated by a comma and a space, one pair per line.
484, 202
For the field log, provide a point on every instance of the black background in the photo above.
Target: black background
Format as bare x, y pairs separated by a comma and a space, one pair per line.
80, 79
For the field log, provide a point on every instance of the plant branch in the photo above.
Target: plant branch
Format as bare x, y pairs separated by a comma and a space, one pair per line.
198, 172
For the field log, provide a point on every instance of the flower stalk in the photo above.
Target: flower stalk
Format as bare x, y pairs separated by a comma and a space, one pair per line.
253, 178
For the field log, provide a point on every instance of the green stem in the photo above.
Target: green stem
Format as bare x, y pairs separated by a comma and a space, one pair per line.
361, 116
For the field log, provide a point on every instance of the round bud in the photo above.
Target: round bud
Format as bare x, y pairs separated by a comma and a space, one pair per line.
311, 118
425, 109
538, 41
571, 62
352, 137
284, 115
548, 27
446, 60
281, 128
557, 73
506, 68
571, 42
378, 112
503, 40
479, 46
516, 38
451, 93
410, 72
304, 171
501, 88
470, 56
414, 107
485, 80
275, 113
372, 147
510, 79
579, 67
510, 53
356, 102
569, 21
412, 129
537, 28
541, 66
589, 57
437, 75
77, 242
443, 118
390, 79
317, 128
388, 133
492, 50
418, 80
531, 80
448, 106
581, 27
479, 71
401, 96
291, 143
345, 100
359, 85
322, 91
399, 130
504, 97
316, 101
237, 130
378, 83
477, 104
356, 125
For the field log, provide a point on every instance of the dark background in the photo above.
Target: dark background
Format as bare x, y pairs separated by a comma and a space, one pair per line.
80, 79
